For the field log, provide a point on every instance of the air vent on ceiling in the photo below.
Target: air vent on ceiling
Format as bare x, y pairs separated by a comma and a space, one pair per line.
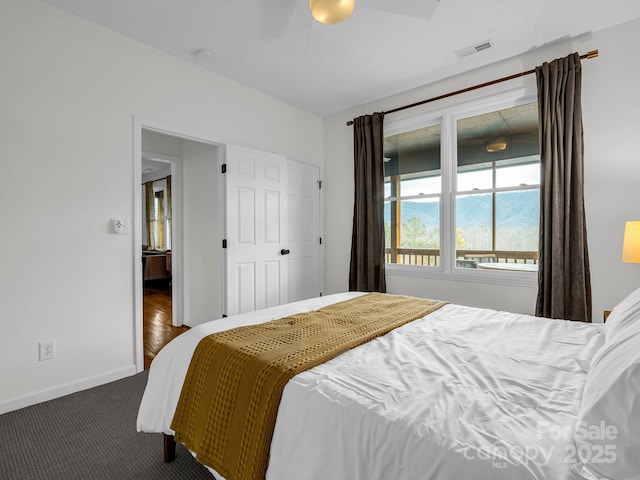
478, 47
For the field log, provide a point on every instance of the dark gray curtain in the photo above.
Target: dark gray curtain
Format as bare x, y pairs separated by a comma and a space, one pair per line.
564, 283
366, 271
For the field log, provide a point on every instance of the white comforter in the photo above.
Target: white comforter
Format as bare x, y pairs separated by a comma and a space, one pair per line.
465, 393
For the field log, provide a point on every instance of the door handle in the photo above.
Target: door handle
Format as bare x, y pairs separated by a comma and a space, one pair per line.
284, 251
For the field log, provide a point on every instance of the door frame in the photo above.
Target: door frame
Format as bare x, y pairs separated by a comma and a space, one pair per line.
139, 125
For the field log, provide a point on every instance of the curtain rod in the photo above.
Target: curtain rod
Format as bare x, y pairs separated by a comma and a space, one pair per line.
588, 55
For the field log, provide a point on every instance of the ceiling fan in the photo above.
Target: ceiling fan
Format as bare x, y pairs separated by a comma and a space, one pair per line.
276, 15
335, 11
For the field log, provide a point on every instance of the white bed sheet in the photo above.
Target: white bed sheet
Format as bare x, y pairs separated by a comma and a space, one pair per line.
466, 393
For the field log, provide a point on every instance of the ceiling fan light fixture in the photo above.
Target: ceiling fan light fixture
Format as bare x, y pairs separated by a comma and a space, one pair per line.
330, 12
497, 145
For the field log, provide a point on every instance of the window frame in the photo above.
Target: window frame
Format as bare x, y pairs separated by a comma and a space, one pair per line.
447, 117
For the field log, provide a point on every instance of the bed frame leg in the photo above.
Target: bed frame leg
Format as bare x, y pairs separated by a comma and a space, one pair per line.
169, 447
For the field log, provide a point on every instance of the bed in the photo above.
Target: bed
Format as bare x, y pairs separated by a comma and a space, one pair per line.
462, 393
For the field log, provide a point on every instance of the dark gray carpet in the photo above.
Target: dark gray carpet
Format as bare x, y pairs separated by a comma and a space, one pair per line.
89, 435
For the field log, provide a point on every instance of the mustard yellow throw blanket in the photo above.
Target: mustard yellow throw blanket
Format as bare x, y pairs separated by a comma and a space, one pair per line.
230, 398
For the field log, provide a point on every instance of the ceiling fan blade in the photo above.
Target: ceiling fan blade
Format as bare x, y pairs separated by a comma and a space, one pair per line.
411, 8
275, 16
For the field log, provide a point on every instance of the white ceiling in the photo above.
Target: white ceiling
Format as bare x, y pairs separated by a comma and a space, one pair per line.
274, 45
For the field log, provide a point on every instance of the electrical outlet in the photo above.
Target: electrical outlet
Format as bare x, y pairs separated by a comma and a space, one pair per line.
47, 350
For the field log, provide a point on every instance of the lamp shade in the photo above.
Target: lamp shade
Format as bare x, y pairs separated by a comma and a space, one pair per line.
331, 11
631, 243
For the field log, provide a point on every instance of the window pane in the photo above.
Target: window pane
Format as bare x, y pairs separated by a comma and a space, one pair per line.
497, 150
387, 224
158, 205
519, 174
494, 137
517, 220
420, 224
474, 222
475, 179
387, 189
420, 186
413, 152
412, 169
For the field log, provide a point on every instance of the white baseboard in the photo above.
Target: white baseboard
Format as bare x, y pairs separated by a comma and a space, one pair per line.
66, 389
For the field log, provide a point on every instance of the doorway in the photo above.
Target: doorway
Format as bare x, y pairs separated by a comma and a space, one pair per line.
159, 294
157, 248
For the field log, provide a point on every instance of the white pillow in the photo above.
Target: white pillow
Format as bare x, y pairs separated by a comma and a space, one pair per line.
627, 311
607, 437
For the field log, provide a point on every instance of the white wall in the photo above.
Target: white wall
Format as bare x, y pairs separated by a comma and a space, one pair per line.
161, 144
611, 101
69, 91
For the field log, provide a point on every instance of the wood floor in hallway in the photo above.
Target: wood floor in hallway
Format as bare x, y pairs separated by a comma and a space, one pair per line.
158, 330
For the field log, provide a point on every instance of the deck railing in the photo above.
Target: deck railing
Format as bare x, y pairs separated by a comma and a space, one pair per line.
464, 258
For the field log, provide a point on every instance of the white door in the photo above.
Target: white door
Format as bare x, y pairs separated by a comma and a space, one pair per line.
256, 220
303, 201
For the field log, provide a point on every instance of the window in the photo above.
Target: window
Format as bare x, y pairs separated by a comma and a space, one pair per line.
157, 220
463, 190
159, 217
413, 191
